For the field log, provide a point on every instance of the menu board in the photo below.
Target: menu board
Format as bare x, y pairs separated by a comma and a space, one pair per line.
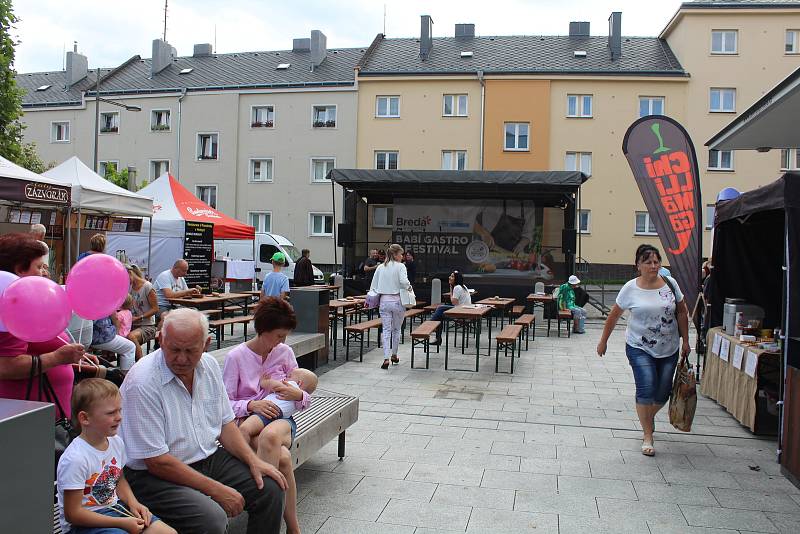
197, 249
122, 224
724, 349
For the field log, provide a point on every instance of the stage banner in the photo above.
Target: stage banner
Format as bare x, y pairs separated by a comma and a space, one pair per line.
664, 164
496, 238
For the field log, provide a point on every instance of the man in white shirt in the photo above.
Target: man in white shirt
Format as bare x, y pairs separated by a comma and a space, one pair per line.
175, 409
171, 285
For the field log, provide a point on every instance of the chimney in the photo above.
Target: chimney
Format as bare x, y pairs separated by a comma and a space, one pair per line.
615, 34
202, 50
425, 37
301, 45
579, 29
465, 31
319, 48
163, 54
77, 66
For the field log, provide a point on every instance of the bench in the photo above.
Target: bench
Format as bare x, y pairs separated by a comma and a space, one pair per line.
218, 325
528, 323
565, 315
508, 338
421, 335
518, 310
410, 314
210, 313
356, 332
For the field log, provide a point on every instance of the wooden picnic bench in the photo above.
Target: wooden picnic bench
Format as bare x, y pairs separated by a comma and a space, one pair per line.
218, 325
528, 323
508, 338
356, 332
421, 335
564, 315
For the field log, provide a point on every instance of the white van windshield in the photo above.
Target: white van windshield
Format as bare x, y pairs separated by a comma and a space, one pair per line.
292, 251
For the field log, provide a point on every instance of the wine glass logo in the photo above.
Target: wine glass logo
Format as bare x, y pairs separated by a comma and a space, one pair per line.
656, 128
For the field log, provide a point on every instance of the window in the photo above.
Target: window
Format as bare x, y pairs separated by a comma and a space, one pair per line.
709, 216
651, 105
158, 167
320, 167
792, 45
207, 193
260, 220
382, 216
644, 226
579, 105
790, 159
260, 170
207, 146
455, 106
59, 132
109, 122
159, 120
321, 224
517, 136
387, 106
262, 117
723, 41
720, 160
324, 117
722, 100
386, 160
584, 221
578, 161
454, 160
104, 168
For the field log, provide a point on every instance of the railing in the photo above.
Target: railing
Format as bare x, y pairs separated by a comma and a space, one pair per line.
582, 267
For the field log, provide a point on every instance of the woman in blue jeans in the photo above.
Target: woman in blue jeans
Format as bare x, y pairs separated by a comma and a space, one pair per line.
658, 320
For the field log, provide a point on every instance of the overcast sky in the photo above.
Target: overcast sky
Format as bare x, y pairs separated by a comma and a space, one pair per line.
111, 31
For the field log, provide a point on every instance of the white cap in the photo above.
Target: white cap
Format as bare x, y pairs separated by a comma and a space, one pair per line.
574, 280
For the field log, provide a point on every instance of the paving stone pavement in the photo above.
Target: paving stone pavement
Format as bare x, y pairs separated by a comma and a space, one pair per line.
553, 448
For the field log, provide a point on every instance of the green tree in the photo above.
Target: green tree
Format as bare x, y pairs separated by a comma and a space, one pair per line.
10, 94
117, 177
29, 158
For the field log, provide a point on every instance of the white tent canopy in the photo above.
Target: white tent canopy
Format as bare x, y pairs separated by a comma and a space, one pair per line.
90, 191
11, 170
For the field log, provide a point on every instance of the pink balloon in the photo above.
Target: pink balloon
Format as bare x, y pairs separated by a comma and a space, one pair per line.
35, 309
5, 279
97, 286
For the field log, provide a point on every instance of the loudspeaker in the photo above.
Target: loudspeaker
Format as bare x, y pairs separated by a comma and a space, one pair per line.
569, 237
344, 235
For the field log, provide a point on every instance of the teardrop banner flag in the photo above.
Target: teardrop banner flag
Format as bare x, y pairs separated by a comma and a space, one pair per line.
664, 164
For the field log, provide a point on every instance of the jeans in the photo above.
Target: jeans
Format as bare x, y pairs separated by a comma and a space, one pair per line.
438, 315
110, 512
123, 347
392, 314
578, 313
653, 376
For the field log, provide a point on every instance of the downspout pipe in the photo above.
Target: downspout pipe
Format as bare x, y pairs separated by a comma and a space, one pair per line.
482, 81
177, 173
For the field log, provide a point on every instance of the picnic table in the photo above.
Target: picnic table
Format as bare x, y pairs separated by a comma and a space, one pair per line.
210, 301
539, 299
470, 315
335, 306
472, 293
499, 303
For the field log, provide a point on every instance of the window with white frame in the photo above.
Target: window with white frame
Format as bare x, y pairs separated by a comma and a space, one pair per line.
160, 120
724, 41
262, 117
382, 216
722, 100
158, 167
386, 160
387, 106
207, 193
59, 132
720, 160
260, 220
454, 160
207, 146
324, 117
320, 224
517, 136
790, 159
109, 122
104, 168
709, 216
644, 225
260, 170
454, 106
585, 221
651, 105
320, 167
578, 161
792, 43
579, 106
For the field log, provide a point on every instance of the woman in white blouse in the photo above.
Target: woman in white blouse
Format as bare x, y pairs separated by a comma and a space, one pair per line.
391, 283
459, 296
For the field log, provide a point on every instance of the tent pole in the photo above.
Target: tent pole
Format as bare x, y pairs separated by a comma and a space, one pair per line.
255, 262
68, 251
78, 240
149, 244
333, 205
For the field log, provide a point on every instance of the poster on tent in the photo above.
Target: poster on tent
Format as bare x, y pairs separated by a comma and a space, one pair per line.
495, 238
198, 247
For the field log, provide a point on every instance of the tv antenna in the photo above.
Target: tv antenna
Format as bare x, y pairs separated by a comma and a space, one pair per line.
384, 19
166, 9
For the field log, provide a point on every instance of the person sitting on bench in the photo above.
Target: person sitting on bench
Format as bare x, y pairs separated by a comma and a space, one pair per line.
459, 296
566, 301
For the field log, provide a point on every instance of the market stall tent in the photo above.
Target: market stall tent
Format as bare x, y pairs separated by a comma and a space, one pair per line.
19, 185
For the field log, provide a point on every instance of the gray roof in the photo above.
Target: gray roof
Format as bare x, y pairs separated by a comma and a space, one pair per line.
522, 54
55, 95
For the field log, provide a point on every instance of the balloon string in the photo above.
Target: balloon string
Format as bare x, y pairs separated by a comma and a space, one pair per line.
80, 333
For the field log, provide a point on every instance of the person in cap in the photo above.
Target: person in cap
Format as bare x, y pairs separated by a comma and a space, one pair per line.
276, 284
566, 301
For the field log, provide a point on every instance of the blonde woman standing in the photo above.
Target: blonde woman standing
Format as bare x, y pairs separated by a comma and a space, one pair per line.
390, 282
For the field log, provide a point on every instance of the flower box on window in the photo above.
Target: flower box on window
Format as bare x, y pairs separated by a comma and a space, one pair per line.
109, 129
265, 124
160, 127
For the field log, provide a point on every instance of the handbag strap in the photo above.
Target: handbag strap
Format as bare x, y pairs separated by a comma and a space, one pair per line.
35, 365
50, 393
671, 287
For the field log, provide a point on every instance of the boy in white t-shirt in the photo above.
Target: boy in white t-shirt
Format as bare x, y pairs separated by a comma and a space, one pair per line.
93, 495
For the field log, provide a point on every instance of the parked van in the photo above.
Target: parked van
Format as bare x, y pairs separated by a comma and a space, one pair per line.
265, 246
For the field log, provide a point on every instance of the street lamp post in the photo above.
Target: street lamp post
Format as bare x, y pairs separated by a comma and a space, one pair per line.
97, 101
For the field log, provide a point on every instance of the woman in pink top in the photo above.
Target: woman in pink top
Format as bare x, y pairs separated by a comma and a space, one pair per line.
266, 354
24, 256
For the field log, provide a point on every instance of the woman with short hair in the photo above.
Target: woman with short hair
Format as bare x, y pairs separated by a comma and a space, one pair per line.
389, 281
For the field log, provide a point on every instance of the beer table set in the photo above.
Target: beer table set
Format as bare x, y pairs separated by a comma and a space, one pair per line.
335, 306
208, 301
468, 315
500, 304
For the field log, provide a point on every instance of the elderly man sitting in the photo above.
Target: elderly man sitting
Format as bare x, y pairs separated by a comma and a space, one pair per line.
566, 301
175, 408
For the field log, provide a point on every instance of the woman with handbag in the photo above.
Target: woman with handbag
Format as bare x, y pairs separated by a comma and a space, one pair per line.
658, 320
391, 284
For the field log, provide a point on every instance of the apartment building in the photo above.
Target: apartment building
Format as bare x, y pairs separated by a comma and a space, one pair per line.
252, 134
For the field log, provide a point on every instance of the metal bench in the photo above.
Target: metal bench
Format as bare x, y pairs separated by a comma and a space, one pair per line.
528, 323
508, 338
421, 335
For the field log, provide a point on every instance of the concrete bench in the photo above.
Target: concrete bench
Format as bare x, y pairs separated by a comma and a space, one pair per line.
218, 325
508, 338
421, 335
528, 323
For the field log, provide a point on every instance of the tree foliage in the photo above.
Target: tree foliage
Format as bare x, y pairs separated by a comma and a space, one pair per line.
10, 94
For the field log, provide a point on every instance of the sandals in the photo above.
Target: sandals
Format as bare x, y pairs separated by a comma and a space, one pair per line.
395, 359
648, 449
385, 364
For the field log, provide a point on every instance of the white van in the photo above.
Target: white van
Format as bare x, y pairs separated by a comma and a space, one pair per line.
265, 246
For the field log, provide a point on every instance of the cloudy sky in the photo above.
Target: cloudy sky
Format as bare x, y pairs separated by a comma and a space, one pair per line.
111, 31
